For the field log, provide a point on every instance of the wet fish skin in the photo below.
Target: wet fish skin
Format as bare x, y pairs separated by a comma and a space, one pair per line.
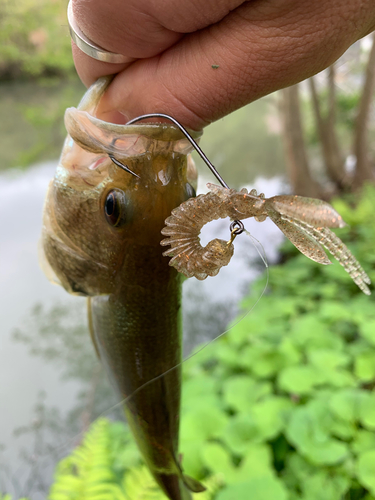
134, 295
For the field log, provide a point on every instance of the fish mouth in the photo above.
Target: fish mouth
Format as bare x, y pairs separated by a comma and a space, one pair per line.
100, 137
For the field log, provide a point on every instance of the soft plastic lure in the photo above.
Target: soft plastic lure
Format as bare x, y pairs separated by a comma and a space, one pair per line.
304, 221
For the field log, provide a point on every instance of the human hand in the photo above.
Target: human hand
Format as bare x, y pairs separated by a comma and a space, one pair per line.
200, 60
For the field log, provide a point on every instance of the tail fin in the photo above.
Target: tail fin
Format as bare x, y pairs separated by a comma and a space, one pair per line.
192, 484
178, 486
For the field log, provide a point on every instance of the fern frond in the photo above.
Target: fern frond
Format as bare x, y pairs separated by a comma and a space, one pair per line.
87, 473
139, 484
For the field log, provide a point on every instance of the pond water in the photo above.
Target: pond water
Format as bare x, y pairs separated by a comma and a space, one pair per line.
52, 387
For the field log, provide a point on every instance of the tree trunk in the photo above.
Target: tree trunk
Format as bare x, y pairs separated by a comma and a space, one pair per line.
327, 134
296, 158
364, 170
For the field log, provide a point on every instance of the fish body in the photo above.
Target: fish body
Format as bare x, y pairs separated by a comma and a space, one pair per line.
101, 239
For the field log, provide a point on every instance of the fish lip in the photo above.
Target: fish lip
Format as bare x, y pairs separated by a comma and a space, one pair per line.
97, 136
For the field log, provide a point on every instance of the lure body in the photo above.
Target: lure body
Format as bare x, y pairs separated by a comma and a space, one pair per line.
304, 221
101, 238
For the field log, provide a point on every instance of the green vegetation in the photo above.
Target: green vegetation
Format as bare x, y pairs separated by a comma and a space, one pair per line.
107, 466
34, 127
9, 497
34, 39
281, 407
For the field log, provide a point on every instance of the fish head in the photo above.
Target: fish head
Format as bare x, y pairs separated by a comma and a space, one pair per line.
96, 214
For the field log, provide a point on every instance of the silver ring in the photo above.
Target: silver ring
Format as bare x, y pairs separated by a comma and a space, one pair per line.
89, 47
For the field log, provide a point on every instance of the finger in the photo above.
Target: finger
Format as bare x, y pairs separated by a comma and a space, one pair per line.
139, 28
89, 69
258, 48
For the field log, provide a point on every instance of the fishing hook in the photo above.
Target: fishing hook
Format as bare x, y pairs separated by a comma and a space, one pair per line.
237, 226
188, 137
121, 165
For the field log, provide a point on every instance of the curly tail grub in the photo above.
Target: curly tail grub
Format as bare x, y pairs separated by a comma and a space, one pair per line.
304, 221
185, 224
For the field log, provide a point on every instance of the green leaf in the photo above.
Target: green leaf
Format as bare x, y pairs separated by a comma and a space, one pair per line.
259, 488
262, 359
345, 404
367, 330
270, 415
217, 459
332, 310
310, 332
241, 392
197, 389
325, 486
363, 441
309, 431
343, 429
291, 354
298, 379
241, 431
226, 356
203, 423
257, 463
192, 461
364, 366
366, 470
324, 359
299, 467
367, 411
308, 328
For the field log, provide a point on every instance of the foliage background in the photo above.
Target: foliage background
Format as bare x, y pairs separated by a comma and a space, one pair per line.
34, 39
282, 407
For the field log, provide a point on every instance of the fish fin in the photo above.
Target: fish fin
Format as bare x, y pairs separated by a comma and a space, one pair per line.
192, 484
91, 326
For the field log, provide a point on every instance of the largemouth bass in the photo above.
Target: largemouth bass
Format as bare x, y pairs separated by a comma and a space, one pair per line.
101, 239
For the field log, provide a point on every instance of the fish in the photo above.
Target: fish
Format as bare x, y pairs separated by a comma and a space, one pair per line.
304, 221
101, 239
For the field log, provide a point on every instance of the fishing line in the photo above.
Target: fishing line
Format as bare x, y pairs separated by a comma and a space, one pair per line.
240, 229
263, 257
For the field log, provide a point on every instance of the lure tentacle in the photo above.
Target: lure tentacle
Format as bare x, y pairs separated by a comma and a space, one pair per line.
301, 239
340, 252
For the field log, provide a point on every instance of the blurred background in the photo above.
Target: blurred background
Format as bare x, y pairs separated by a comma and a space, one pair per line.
287, 393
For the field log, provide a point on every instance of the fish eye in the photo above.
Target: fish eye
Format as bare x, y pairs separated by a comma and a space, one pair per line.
114, 207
